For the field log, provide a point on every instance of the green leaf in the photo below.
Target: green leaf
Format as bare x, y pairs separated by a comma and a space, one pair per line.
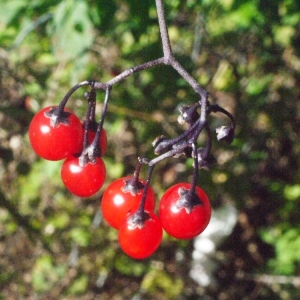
286, 259
159, 280
72, 29
81, 236
256, 85
46, 273
10, 9
127, 266
79, 285
292, 192
60, 220
139, 11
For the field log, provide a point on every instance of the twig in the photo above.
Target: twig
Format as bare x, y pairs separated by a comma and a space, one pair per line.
167, 50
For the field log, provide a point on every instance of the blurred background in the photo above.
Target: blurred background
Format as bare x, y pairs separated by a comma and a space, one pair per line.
246, 54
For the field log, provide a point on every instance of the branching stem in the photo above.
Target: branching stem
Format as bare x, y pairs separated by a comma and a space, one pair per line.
165, 148
135, 69
167, 59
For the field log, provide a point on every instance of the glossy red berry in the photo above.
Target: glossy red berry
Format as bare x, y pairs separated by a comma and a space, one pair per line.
121, 199
55, 137
140, 239
183, 218
83, 180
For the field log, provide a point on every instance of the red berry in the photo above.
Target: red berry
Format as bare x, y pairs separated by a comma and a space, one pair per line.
139, 239
83, 180
184, 222
55, 139
120, 200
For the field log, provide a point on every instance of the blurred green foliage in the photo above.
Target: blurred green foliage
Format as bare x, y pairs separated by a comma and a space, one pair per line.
245, 53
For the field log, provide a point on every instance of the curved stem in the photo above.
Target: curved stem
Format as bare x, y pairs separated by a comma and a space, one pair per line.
170, 60
165, 145
187, 138
189, 79
90, 115
95, 142
136, 173
141, 208
134, 185
196, 169
65, 99
93, 150
135, 69
200, 127
167, 59
216, 108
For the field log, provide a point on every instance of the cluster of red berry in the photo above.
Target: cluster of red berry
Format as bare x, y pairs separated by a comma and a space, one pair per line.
128, 204
140, 229
57, 135
56, 138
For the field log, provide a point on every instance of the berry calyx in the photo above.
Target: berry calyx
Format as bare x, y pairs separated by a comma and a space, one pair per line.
140, 236
55, 134
83, 179
184, 214
123, 197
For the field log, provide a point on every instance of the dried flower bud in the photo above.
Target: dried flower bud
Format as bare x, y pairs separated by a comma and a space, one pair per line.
161, 145
225, 133
205, 160
188, 114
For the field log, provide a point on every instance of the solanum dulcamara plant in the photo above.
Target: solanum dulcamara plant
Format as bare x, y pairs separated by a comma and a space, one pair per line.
128, 204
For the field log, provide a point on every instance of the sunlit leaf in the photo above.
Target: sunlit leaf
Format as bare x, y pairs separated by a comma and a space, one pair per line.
72, 29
